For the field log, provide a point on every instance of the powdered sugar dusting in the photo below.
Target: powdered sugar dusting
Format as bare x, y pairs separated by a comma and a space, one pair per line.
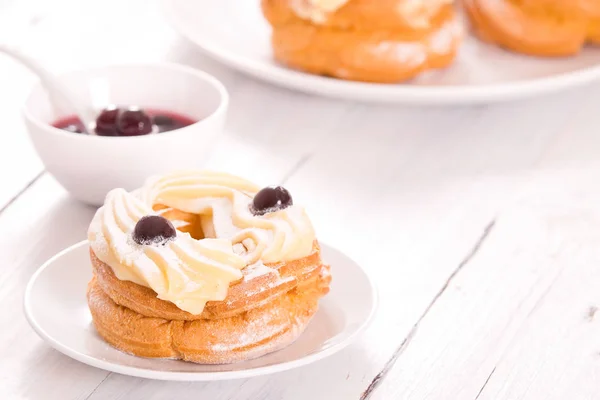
256, 270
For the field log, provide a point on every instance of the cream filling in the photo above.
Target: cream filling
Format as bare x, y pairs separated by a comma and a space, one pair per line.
186, 271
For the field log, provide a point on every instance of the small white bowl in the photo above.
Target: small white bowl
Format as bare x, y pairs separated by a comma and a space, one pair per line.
88, 166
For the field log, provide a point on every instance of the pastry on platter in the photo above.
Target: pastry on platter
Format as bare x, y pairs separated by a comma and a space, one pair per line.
536, 27
364, 40
205, 267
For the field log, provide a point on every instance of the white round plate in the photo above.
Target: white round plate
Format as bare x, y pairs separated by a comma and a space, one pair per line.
236, 33
56, 308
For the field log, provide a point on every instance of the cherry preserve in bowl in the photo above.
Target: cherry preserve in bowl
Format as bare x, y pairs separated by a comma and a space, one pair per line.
88, 165
128, 121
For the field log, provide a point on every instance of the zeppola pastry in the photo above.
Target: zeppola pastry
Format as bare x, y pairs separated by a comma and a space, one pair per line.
389, 41
536, 27
204, 267
364, 40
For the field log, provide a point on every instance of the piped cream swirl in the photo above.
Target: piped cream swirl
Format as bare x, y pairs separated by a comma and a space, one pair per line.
186, 271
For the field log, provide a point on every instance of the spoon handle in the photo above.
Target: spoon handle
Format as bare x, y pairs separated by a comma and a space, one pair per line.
62, 100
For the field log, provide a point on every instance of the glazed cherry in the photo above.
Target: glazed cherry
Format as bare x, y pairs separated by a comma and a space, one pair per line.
106, 123
270, 199
133, 122
153, 229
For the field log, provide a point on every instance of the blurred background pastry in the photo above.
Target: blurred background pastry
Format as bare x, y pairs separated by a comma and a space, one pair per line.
536, 27
364, 40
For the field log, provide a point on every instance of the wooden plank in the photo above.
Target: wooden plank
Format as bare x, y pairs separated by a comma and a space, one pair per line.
554, 354
518, 321
42, 221
574, 146
18, 161
578, 144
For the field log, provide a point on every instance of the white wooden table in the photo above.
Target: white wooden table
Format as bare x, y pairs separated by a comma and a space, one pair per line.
480, 225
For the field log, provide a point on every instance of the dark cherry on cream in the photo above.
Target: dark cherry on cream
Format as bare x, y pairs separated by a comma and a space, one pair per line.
153, 229
271, 199
129, 121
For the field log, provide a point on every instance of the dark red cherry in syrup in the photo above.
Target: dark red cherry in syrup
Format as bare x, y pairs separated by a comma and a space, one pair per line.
106, 123
270, 199
153, 229
133, 122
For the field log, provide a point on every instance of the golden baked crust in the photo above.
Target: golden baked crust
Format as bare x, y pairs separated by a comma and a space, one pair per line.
262, 313
535, 27
372, 45
244, 336
242, 295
